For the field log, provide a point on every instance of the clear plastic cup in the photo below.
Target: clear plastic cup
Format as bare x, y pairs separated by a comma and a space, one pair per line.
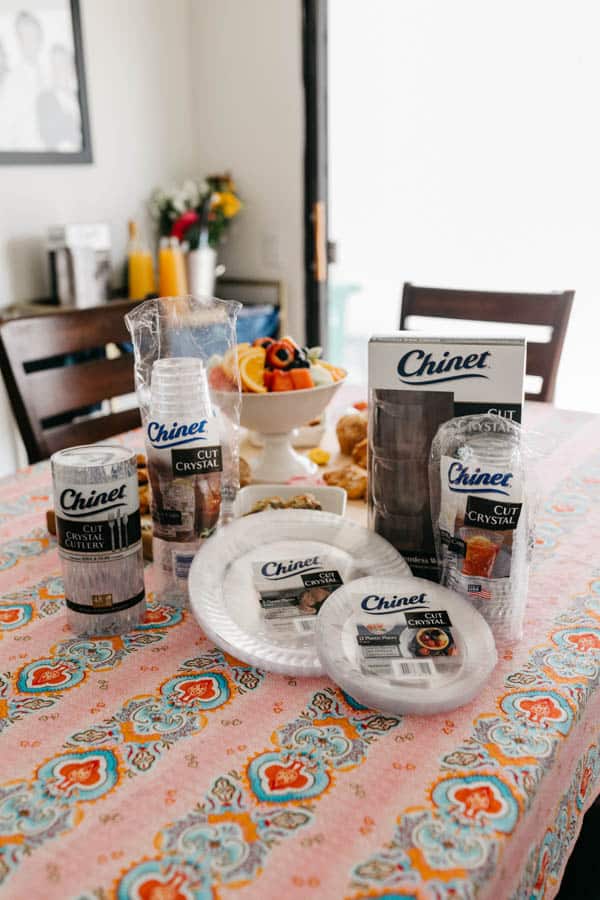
405, 422
179, 383
184, 509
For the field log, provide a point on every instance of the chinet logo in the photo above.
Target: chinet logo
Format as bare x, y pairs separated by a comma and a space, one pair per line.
275, 571
419, 367
162, 437
79, 505
462, 480
378, 605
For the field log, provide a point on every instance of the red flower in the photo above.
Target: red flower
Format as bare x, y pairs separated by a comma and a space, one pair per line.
181, 225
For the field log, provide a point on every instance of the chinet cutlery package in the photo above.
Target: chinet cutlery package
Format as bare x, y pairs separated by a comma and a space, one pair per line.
190, 431
417, 382
99, 537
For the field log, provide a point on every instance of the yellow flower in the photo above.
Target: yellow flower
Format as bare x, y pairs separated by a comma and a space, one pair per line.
230, 204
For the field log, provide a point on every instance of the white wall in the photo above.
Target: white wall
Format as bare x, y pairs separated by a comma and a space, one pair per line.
464, 153
248, 117
176, 88
138, 82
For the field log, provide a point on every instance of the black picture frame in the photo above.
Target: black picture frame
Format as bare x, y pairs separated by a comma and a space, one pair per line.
52, 157
316, 176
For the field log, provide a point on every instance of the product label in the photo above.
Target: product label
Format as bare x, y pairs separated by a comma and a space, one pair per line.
98, 519
97, 524
480, 510
191, 447
185, 461
292, 591
104, 603
169, 516
196, 461
418, 644
182, 563
492, 515
490, 372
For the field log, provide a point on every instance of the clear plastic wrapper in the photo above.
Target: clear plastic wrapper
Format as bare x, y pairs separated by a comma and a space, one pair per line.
190, 425
483, 501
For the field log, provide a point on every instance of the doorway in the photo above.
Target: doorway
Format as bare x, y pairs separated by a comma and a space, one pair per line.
454, 161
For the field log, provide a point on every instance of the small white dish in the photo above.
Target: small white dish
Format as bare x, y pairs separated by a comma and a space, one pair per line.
332, 499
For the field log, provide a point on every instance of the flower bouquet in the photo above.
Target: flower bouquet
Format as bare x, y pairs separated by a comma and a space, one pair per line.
197, 213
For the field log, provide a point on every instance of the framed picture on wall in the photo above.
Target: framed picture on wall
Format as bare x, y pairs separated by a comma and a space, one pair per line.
44, 116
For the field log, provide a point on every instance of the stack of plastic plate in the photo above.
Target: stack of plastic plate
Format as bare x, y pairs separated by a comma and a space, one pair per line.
224, 599
404, 644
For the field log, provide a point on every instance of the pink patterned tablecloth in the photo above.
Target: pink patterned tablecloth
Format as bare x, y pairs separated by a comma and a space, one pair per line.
153, 766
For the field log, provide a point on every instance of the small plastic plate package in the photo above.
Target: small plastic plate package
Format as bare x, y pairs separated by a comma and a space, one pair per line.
257, 586
404, 645
482, 511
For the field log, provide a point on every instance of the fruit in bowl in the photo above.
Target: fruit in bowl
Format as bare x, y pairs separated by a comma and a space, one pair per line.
272, 365
283, 387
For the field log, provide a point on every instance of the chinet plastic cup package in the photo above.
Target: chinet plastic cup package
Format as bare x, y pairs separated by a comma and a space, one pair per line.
404, 645
482, 504
190, 428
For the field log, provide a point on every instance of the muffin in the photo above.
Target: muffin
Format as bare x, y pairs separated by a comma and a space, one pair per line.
350, 430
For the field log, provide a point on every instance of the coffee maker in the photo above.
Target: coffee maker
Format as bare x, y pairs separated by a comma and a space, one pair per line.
79, 258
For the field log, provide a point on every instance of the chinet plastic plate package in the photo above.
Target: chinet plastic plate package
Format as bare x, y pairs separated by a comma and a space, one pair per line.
257, 585
482, 502
404, 645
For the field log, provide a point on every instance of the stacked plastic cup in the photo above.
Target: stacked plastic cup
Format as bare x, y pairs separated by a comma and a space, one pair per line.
403, 424
178, 384
185, 508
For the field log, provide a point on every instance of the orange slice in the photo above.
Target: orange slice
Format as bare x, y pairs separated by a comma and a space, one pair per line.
337, 373
228, 359
252, 370
319, 456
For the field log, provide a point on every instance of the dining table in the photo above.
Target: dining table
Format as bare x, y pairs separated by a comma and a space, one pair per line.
145, 765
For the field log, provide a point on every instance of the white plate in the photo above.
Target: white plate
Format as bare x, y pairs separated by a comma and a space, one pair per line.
340, 654
332, 499
225, 602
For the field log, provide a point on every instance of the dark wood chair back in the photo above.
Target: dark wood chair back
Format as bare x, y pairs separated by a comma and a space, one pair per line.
552, 310
37, 397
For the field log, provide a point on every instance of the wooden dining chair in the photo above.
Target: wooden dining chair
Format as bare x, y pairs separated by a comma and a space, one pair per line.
551, 310
41, 396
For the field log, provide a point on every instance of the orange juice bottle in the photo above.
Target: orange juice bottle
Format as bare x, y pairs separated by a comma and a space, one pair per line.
140, 266
172, 278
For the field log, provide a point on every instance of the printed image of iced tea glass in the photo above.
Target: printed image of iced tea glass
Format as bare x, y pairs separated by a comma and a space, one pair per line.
481, 551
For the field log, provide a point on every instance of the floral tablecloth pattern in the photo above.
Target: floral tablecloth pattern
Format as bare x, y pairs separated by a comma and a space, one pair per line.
153, 766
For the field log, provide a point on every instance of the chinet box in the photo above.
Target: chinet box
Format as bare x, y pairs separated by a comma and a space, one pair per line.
416, 382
